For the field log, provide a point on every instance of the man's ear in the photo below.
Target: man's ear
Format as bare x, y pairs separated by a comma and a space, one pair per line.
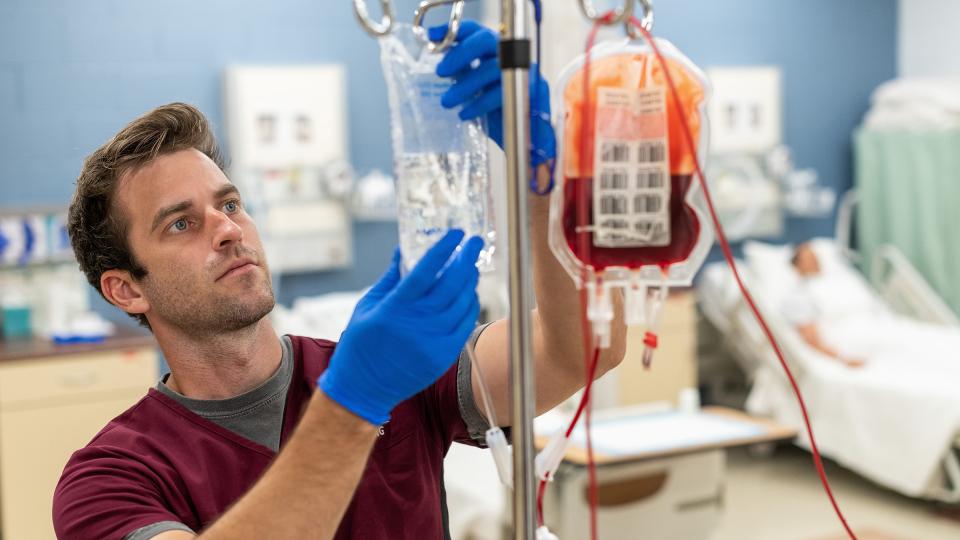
121, 290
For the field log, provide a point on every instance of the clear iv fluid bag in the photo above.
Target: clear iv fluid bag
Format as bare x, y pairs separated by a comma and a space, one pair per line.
628, 211
440, 162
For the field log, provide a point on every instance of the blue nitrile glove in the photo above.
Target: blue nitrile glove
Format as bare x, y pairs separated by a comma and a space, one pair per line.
406, 331
478, 90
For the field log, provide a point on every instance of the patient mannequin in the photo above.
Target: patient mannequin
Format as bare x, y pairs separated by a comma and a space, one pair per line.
801, 310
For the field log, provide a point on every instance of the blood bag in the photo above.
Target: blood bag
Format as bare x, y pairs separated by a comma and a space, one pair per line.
440, 162
627, 212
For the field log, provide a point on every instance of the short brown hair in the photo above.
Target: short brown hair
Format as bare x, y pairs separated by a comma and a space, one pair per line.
98, 233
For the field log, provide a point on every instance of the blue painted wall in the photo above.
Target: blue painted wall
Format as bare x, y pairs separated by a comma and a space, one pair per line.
72, 73
833, 53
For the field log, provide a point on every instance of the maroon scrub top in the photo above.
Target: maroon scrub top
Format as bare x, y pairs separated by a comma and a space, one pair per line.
159, 461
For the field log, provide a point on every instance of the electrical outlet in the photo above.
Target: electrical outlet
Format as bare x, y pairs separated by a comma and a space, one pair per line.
745, 109
281, 116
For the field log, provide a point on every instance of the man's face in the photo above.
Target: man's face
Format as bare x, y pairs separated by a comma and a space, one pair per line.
806, 262
206, 270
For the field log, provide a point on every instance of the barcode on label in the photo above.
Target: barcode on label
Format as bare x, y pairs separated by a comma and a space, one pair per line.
613, 204
648, 228
618, 224
613, 179
651, 152
647, 204
615, 152
631, 169
650, 179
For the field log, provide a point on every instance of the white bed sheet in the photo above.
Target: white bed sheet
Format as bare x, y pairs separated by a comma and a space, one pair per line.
892, 420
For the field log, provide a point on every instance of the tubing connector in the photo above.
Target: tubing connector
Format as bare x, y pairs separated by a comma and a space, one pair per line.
543, 533
658, 297
548, 460
634, 304
600, 312
497, 443
650, 341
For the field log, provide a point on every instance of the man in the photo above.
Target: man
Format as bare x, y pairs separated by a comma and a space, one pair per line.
801, 311
258, 436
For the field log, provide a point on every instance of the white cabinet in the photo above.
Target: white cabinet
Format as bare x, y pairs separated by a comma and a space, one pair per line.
52, 402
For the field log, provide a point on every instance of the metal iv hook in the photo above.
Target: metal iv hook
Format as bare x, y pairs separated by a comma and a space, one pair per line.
456, 16
623, 14
374, 29
383, 28
646, 22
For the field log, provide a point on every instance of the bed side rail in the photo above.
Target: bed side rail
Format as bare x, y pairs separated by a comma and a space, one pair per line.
750, 341
945, 486
899, 283
843, 232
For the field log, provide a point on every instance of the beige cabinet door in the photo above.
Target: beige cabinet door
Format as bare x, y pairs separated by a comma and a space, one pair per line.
35, 444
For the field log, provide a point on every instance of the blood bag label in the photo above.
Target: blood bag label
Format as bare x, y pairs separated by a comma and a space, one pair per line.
631, 190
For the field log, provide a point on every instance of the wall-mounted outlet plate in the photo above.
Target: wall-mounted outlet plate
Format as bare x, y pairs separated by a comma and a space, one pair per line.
287, 129
746, 111
280, 116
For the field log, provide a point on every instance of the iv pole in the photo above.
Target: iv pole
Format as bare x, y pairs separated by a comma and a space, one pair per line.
515, 65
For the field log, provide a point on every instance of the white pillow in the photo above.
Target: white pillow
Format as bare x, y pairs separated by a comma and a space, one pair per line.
773, 273
761, 256
841, 290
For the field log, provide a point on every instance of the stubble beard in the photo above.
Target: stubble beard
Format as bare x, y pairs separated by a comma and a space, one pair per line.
199, 310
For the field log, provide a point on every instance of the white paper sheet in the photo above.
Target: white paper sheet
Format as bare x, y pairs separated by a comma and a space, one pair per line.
664, 431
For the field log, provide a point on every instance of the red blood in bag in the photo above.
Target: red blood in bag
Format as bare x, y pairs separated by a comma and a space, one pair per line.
684, 230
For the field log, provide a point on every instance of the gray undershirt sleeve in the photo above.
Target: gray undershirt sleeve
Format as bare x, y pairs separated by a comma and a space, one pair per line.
148, 532
477, 424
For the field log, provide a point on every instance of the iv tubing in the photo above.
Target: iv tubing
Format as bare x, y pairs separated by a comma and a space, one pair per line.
728, 255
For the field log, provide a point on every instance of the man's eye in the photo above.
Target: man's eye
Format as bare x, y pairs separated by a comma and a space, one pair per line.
231, 206
179, 225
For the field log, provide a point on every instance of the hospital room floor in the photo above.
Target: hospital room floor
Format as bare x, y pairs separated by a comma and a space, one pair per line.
780, 498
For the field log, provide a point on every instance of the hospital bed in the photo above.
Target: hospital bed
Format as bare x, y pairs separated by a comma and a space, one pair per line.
895, 421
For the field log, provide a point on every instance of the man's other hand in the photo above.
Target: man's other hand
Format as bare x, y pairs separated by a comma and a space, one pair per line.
406, 331
472, 62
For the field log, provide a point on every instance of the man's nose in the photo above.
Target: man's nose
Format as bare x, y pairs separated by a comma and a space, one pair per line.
225, 231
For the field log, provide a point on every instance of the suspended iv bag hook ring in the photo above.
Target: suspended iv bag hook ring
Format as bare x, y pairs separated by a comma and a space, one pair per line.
374, 29
456, 16
646, 22
620, 15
